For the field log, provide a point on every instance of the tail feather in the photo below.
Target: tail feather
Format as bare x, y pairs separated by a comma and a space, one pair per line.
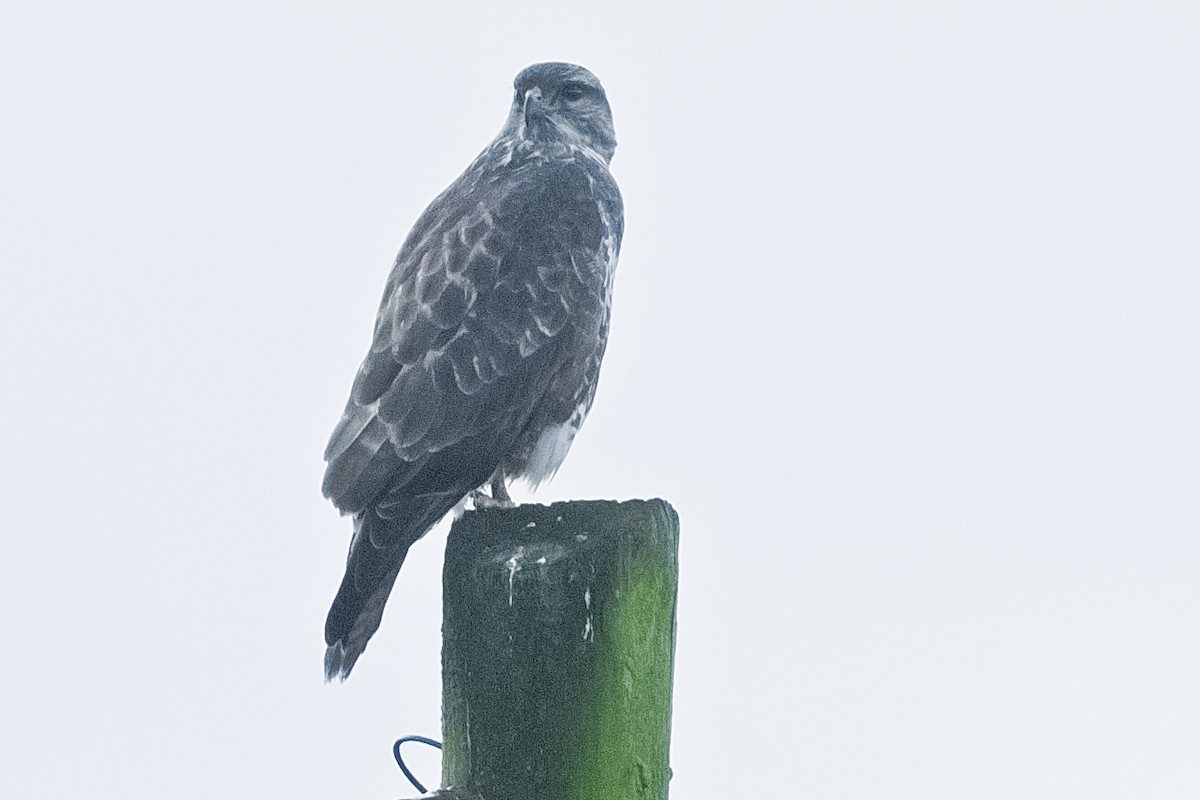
353, 620
377, 552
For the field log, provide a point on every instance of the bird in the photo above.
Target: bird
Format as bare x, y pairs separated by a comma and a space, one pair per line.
487, 346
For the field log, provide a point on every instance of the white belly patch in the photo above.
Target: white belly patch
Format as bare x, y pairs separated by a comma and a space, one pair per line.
551, 449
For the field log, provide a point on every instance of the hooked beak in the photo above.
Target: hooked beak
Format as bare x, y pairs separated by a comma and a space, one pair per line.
533, 99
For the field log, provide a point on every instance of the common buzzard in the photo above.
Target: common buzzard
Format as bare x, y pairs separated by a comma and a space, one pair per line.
488, 341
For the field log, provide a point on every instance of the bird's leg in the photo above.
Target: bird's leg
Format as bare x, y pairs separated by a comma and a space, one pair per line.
500, 491
499, 498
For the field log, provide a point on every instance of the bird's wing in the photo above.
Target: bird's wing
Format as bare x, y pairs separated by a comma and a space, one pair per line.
476, 312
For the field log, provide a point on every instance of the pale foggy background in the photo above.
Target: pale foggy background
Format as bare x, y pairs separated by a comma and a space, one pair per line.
905, 328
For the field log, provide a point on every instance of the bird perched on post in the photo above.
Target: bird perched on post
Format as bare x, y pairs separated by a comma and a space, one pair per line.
488, 341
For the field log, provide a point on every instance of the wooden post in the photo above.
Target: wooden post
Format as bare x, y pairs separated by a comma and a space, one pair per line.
558, 650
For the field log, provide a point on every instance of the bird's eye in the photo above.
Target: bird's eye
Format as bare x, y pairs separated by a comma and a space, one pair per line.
573, 92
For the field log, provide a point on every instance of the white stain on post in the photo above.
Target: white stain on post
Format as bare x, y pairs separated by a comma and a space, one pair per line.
514, 566
589, 633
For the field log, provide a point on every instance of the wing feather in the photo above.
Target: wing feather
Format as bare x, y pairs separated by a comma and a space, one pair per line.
476, 313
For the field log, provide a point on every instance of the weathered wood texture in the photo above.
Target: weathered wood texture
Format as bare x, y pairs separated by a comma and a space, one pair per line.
558, 651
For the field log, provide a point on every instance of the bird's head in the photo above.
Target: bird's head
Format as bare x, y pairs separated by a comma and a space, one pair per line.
557, 103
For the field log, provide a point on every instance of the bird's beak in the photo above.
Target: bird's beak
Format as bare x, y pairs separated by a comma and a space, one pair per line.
533, 99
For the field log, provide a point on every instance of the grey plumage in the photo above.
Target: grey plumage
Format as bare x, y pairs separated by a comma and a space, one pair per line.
488, 342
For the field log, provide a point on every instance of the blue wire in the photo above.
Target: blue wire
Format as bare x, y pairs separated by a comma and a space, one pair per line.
403, 767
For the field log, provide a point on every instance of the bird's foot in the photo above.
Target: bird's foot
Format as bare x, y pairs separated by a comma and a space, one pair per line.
481, 499
499, 497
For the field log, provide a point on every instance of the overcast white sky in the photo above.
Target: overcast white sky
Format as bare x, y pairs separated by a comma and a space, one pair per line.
905, 328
